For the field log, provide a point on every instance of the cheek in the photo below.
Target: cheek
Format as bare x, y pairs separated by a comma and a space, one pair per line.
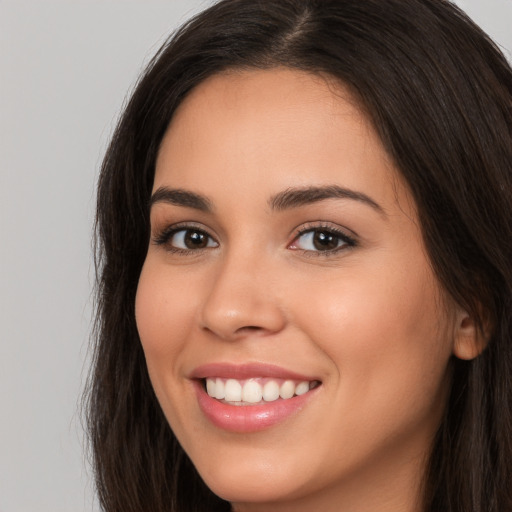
383, 311
388, 339
163, 315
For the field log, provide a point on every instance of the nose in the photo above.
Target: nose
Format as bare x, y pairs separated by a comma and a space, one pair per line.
242, 300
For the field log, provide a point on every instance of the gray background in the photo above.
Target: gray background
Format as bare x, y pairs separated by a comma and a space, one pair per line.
65, 69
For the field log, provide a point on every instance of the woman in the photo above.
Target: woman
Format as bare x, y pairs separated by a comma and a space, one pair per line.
304, 226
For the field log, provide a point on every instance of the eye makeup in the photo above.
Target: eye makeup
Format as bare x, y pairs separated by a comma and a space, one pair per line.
312, 239
322, 239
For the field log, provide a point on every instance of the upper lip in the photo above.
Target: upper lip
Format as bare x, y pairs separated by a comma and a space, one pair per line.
246, 371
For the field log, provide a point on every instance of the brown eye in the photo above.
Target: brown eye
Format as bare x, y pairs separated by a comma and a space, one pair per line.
190, 240
325, 241
195, 239
322, 240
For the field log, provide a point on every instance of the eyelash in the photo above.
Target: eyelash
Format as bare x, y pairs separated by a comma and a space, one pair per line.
163, 238
348, 241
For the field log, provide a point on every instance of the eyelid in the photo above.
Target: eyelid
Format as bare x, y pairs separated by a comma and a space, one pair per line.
324, 224
162, 236
350, 240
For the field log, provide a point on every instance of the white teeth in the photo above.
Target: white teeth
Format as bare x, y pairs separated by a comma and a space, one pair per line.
220, 392
271, 391
302, 388
233, 391
287, 389
211, 387
252, 392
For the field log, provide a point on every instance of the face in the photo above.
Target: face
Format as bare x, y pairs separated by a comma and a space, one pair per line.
294, 332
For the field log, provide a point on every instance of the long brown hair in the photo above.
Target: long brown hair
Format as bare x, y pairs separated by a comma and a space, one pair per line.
439, 94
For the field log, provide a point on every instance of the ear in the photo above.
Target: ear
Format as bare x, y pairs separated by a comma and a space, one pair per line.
469, 340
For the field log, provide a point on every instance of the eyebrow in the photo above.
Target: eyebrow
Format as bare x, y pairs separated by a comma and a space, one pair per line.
288, 199
180, 197
295, 197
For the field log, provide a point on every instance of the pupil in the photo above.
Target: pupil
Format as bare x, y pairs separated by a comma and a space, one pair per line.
195, 240
324, 241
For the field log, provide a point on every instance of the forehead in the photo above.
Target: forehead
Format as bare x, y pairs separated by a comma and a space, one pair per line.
259, 105
273, 129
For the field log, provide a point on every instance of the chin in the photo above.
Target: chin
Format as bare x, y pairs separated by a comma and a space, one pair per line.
255, 479
250, 488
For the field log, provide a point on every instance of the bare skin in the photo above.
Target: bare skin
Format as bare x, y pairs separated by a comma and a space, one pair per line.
362, 312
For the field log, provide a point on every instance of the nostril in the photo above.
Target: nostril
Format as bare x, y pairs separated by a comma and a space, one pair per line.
249, 328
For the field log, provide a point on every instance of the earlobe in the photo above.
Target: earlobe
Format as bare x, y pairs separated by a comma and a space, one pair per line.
469, 339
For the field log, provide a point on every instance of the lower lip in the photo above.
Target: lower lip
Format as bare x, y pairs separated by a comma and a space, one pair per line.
249, 418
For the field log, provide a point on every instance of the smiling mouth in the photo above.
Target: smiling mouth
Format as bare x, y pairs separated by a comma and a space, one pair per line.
255, 391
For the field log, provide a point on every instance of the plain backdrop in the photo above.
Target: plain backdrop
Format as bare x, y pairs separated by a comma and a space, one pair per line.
65, 69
